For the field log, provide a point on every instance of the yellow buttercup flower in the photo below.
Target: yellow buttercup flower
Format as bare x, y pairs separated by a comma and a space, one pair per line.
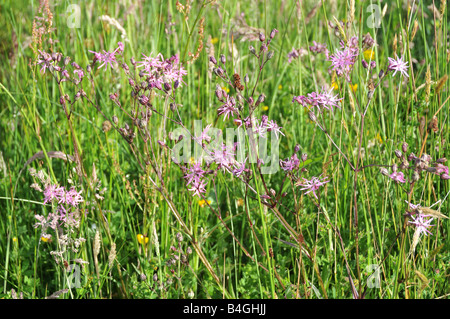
142, 239
265, 108
334, 85
214, 40
354, 87
280, 87
379, 138
202, 202
226, 89
369, 55
240, 202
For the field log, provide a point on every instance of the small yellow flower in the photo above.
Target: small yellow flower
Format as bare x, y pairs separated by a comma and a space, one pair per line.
202, 202
142, 239
192, 160
14, 239
379, 138
265, 108
240, 202
214, 40
280, 87
226, 89
369, 55
46, 239
354, 87
334, 85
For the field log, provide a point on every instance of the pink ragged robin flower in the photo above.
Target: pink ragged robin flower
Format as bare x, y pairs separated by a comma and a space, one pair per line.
422, 223
312, 185
290, 163
228, 108
342, 61
198, 187
398, 177
398, 65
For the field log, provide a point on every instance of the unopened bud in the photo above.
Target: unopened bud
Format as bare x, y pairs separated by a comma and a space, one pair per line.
296, 148
262, 37
312, 116
404, 147
270, 55
222, 59
445, 176
115, 120
167, 86
246, 79
252, 49
384, 171
441, 160
273, 32
415, 176
304, 157
398, 153
260, 99
161, 143
213, 59
364, 64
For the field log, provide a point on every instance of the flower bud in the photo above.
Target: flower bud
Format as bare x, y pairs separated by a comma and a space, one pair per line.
384, 171
445, 176
222, 59
270, 55
246, 78
262, 37
260, 99
213, 59
218, 71
373, 64
115, 120
304, 157
398, 153
273, 32
441, 160
415, 176
252, 49
404, 147
364, 64
312, 116
296, 148
167, 86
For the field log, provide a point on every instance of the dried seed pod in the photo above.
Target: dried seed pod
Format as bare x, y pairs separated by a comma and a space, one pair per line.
106, 126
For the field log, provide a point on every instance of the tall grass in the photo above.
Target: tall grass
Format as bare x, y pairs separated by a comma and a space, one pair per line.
157, 240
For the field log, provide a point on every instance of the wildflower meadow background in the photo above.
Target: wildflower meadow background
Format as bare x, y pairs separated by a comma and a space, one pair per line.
224, 149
